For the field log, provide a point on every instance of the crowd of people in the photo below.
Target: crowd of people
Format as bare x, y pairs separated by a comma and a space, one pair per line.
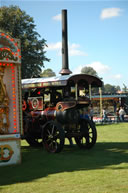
88, 113
120, 113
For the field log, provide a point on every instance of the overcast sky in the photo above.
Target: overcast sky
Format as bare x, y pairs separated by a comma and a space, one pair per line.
97, 34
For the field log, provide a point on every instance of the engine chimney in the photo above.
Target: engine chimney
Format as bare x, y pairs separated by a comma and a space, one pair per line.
65, 70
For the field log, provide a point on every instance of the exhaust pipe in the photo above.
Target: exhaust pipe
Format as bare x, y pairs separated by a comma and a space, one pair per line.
65, 69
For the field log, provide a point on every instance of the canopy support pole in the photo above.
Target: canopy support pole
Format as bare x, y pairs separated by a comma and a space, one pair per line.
90, 93
100, 91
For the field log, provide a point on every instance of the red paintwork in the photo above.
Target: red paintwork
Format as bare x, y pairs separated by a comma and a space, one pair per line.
50, 113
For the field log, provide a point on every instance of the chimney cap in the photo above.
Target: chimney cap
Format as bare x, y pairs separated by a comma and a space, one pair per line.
65, 72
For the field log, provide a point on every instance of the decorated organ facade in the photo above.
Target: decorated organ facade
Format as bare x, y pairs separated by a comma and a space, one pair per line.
10, 100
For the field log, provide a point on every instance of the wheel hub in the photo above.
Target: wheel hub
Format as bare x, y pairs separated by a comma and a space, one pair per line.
50, 136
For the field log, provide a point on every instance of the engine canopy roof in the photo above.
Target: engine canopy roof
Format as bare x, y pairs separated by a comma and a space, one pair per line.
60, 81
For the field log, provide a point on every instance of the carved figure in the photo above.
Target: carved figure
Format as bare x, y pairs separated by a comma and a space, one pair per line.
4, 101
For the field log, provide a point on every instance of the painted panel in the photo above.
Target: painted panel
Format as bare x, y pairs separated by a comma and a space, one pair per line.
10, 100
10, 149
9, 49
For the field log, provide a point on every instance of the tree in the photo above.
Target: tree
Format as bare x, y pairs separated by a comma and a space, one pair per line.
89, 70
118, 88
18, 24
108, 88
47, 73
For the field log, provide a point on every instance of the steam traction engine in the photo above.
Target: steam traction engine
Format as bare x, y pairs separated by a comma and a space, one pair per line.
54, 108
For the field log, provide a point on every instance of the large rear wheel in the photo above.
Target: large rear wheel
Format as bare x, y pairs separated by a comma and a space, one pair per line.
53, 137
89, 135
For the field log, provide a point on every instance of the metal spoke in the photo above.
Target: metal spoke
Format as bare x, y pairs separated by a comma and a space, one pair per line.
52, 132
48, 132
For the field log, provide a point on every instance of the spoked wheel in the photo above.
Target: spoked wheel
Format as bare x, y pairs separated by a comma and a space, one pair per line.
53, 137
89, 137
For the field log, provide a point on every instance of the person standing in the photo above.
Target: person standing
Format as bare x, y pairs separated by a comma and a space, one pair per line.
121, 114
91, 113
117, 114
104, 114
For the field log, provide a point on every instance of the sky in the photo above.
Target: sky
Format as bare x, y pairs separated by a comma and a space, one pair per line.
97, 35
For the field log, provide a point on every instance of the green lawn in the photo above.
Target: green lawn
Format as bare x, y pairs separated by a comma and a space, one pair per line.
103, 169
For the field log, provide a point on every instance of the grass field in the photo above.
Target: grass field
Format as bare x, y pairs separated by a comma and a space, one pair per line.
103, 169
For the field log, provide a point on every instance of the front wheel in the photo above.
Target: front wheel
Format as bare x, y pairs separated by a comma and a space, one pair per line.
89, 136
53, 137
